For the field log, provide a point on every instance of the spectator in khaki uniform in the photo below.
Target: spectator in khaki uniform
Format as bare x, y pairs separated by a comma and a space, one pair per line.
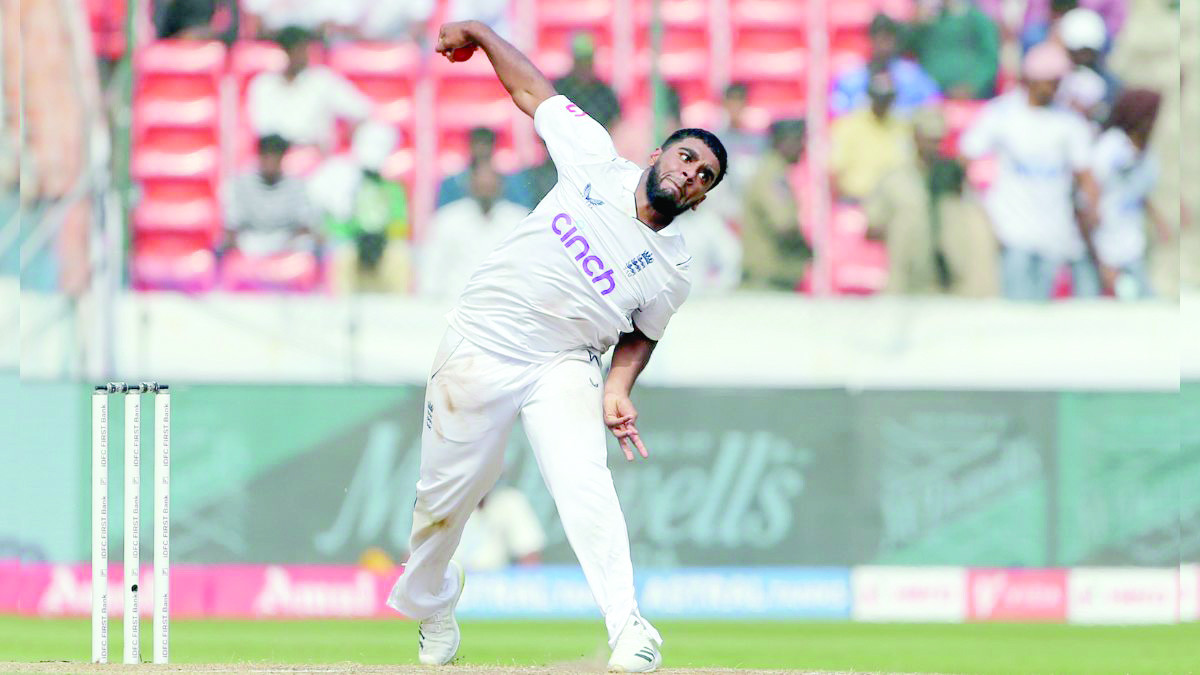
938, 239
775, 252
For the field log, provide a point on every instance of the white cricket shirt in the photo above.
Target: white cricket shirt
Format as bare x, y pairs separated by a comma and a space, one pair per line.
1126, 179
1039, 149
581, 269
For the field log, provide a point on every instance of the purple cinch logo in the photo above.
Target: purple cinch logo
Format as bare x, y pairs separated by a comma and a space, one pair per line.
592, 266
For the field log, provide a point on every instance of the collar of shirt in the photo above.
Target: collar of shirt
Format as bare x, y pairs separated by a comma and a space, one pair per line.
629, 185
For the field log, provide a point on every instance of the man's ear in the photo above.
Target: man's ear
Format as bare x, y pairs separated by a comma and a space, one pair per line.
699, 201
655, 155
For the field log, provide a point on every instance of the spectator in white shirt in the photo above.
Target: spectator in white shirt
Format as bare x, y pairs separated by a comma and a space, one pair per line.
1043, 153
303, 102
465, 231
267, 212
1127, 174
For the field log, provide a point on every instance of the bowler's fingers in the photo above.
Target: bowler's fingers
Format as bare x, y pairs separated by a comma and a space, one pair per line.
637, 440
626, 448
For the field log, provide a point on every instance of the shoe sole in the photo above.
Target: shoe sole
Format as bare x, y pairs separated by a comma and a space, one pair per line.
462, 583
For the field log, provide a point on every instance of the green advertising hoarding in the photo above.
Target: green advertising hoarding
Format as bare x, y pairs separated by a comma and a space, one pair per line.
304, 474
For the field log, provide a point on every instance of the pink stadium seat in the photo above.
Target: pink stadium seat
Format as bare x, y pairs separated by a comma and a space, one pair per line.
851, 15
196, 219
179, 69
165, 163
776, 80
675, 14
197, 113
386, 73
249, 58
981, 173
688, 71
578, 14
769, 25
558, 21
960, 115
281, 272
859, 266
165, 264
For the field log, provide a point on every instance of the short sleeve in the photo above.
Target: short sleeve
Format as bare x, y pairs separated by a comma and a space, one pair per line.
653, 317
572, 137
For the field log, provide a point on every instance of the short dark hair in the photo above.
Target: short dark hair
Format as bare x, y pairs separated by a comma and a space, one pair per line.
882, 23
293, 36
1134, 109
478, 134
781, 129
708, 138
273, 143
737, 89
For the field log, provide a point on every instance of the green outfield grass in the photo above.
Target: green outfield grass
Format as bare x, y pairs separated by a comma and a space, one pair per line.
969, 648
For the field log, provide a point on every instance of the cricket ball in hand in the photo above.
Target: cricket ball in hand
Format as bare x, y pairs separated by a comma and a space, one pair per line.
462, 53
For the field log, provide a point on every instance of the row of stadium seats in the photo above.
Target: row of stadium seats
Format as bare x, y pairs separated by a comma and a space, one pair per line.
190, 127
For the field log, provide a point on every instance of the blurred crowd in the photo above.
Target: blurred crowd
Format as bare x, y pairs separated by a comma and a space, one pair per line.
1017, 148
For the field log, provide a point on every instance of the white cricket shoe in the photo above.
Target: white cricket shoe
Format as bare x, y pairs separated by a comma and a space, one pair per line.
438, 636
636, 650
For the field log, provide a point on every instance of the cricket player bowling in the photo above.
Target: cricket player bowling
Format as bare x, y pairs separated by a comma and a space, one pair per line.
598, 263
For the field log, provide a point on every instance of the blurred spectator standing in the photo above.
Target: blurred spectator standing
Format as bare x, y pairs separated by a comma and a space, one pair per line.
742, 142
197, 19
585, 88
481, 147
1148, 53
1042, 24
302, 102
503, 530
465, 231
1126, 174
914, 87
938, 238
1043, 152
1083, 34
366, 215
1040, 16
958, 45
775, 252
745, 146
267, 212
869, 142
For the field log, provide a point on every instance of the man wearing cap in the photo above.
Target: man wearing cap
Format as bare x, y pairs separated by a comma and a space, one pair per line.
775, 251
583, 86
868, 142
1083, 34
1043, 155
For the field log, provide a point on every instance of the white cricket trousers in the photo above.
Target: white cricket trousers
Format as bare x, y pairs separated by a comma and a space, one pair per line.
472, 399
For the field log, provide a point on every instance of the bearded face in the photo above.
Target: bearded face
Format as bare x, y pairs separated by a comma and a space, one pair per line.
663, 199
